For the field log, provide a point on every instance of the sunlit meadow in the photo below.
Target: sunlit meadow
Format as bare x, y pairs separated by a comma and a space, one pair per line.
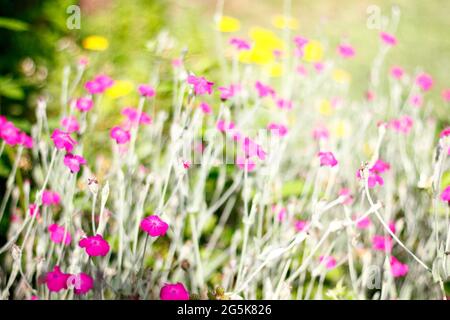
260, 176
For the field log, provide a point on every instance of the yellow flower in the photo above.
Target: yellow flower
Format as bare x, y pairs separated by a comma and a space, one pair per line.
257, 55
313, 51
367, 149
275, 69
95, 43
228, 24
266, 39
325, 108
119, 89
341, 129
341, 76
283, 22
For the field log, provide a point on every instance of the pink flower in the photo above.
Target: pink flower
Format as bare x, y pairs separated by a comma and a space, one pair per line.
104, 81
186, 164
50, 197
424, 81
201, 85
177, 62
82, 283
381, 243
348, 198
327, 159
284, 104
397, 72
380, 166
154, 226
26, 140
346, 51
239, 44
328, 261
392, 226
9, 133
398, 269
33, 211
223, 126
372, 180
175, 291
321, 132
95, 246
363, 223
121, 136
56, 280
251, 148
388, 39
228, 92
264, 90
99, 84
302, 70
132, 115
206, 109
280, 212
446, 95
301, 225
73, 162
370, 95
63, 140
58, 234
445, 195
319, 66
445, 132
34, 298
277, 129
70, 124
245, 163
84, 104
300, 42
403, 124
146, 91
416, 100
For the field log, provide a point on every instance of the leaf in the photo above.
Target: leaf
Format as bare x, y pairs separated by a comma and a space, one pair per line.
13, 24
10, 89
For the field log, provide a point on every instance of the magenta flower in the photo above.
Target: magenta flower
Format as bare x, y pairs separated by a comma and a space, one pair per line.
228, 92
372, 180
397, 72
132, 115
445, 195
201, 85
321, 132
277, 129
346, 194
381, 243
319, 66
424, 81
346, 51
328, 261
398, 269
392, 226
95, 246
445, 132
223, 126
33, 211
175, 291
56, 280
120, 135
388, 38
380, 166
284, 104
50, 198
25, 140
154, 226
82, 283
403, 124
9, 133
99, 84
416, 100
239, 44
301, 225
73, 162
327, 159
63, 140
146, 91
70, 124
264, 90
105, 81
206, 108
245, 163
84, 104
251, 148
363, 223
446, 95
57, 234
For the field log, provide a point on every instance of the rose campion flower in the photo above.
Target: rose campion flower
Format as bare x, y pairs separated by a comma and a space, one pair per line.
403, 124
120, 135
99, 84
25, 140
175, 291
382, 243
327, 159
346, 194
264, 90
50, 198
73, 162
95, 246
388, 38
33, 211
416, 100
445, 132
245, 163
132, 115
284, 104
9, 133
228, 92
58, 234
56, 280
445, 195
346, 51
146, 91
372, 180
446, 95
424, 81
84, 104
392, 226
397, 72
301, 225
82, 283
398, 269
223, 126
277, 129
380, 166
363, 223
239, 44
154, 226
201, 85
70, 124
63, 140
328, 261
206, 109
321, 132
